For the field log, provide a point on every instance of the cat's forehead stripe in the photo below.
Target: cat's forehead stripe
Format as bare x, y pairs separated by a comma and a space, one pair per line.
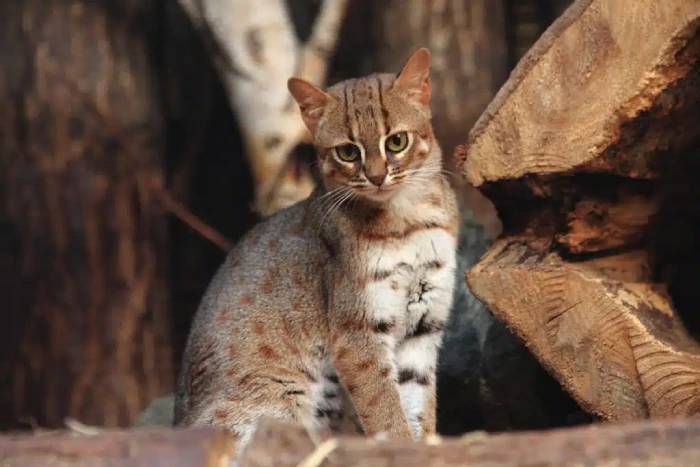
385, 112
346, 104
351, 111
364, 108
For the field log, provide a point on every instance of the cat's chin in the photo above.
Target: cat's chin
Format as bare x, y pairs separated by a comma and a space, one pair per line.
380, 195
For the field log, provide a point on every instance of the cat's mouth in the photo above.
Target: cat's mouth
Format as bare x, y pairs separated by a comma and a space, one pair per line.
379, 193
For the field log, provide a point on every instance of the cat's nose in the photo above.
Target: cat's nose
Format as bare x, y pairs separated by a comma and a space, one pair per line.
376, 179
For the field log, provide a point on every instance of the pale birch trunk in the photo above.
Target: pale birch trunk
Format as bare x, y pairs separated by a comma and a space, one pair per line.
258, 52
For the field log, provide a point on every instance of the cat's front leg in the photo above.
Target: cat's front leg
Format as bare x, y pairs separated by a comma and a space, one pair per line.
416, 359
364, 365
362, 352
417, 355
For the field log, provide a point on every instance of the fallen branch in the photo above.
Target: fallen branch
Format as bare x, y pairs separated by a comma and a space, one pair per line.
186, 216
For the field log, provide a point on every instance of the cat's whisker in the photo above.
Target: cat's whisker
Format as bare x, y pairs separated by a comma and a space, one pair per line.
335, 195
325, 196
347, 194
330, 197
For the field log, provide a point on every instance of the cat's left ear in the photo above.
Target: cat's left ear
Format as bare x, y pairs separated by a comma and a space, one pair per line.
414, 79
312, 101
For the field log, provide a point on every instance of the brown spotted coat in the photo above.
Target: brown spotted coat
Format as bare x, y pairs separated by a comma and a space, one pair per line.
333, 309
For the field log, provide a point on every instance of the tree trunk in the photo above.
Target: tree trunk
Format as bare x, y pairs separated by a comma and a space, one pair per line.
585, 159
83, 274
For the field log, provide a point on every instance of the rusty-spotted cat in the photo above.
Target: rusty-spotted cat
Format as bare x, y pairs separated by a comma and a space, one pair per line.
345, 294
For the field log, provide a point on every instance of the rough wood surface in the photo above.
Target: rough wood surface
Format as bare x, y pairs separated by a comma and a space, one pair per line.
135, 448
612, 339
583, 152
82, 273
659, 443
652, 444
573, 100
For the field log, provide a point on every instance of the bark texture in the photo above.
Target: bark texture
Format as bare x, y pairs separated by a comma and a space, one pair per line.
86, 329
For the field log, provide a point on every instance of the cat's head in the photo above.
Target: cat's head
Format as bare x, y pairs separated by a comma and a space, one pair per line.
373, 134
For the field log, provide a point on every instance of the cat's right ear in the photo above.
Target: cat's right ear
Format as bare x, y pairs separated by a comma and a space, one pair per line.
312, 101
414, 79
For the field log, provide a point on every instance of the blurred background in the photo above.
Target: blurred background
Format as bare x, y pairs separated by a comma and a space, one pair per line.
133, 152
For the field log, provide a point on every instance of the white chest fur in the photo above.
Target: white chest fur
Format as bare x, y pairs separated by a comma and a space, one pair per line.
411, 277
410, 287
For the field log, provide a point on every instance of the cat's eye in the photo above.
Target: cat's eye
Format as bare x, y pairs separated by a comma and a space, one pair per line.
396, 143
348, 152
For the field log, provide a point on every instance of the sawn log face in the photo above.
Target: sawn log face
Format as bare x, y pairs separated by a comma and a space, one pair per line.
585, 152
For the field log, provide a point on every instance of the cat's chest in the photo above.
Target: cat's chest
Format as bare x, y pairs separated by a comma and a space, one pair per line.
406, 277
410, 256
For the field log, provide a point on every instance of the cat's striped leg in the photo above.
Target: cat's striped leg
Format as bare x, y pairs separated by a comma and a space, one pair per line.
416, 359
417, 355
428, 418
365, 366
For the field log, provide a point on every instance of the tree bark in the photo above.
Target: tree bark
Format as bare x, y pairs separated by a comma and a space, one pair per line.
86, 329
584, 158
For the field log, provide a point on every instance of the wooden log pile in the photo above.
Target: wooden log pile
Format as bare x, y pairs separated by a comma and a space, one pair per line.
585, 152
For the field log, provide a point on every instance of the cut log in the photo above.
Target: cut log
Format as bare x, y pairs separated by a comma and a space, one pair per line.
136, 448
85, 326
585, 151
669, 443
593, 94
598, 326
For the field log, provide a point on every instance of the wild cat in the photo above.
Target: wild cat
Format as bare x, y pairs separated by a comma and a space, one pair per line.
345, 294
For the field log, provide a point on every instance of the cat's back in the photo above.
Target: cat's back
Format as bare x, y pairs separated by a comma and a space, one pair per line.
262, 308
276, 262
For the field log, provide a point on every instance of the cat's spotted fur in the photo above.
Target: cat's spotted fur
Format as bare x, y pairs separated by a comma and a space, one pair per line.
346, 294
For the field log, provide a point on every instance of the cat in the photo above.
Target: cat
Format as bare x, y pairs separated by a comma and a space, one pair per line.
342, 296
